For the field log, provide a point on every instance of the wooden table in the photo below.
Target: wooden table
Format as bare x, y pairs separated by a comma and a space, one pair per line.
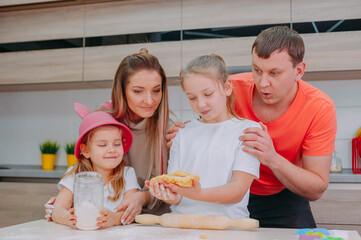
41, 229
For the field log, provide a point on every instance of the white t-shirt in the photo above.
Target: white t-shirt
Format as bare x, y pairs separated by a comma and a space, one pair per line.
130, 183
212, 151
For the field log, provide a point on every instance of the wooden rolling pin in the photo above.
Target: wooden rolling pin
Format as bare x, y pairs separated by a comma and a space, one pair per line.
197, 221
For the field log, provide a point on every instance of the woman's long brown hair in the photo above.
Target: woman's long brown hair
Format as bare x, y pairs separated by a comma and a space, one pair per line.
157, 125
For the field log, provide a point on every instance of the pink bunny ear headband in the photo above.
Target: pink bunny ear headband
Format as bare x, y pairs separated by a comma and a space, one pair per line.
92, 120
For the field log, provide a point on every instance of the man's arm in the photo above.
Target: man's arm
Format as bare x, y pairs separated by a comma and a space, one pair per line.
310, 181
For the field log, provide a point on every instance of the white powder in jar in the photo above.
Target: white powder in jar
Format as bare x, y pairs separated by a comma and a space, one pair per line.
86, 215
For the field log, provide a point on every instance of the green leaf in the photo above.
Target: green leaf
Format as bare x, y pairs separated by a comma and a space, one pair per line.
49, 147
69, 148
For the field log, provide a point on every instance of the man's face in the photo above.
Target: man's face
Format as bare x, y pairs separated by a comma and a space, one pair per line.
275, 77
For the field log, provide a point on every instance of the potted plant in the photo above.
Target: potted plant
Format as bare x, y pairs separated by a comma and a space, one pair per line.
69, 149
48, 154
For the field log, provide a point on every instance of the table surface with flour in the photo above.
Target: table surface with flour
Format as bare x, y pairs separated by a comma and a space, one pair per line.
41, 229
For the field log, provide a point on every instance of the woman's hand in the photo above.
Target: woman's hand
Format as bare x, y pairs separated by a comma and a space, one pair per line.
172, 130
131, 204
108, 218
49, 207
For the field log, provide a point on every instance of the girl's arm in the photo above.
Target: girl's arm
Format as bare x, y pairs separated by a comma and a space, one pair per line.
62, 212
231, 192
109, 218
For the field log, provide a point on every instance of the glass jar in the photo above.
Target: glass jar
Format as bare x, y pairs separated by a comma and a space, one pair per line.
88, 199
336, 164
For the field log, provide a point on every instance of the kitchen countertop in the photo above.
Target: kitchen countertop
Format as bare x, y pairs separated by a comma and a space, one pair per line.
41, 229
345, 176
33, 172
30, 173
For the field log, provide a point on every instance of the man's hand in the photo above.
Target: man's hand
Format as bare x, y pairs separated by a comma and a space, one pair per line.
259, 144
172, 130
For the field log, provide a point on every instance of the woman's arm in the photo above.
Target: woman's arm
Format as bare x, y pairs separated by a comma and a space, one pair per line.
62, 213
231, 192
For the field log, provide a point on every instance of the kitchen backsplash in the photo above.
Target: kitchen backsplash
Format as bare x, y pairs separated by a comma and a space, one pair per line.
27, 118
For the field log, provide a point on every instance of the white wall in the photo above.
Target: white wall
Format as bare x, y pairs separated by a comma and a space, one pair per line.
28, 118
346, 95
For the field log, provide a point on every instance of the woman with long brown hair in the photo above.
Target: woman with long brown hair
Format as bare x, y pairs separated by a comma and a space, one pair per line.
140, 101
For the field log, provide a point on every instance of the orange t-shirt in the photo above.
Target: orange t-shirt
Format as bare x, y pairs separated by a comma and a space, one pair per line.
308, 127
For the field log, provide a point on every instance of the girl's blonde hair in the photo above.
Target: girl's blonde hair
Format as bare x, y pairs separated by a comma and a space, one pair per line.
84, 164
157, 125
214, 67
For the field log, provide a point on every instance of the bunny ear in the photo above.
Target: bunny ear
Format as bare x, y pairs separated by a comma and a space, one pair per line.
108, 104
81, 110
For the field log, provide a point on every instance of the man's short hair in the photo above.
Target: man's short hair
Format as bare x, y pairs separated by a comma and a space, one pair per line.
279, 38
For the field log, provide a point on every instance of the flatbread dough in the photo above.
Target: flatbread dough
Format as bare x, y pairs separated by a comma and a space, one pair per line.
179, 178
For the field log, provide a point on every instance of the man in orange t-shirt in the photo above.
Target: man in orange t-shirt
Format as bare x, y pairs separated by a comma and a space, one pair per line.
298, 130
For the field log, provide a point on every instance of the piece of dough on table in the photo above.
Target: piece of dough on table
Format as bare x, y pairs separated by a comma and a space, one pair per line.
179, 178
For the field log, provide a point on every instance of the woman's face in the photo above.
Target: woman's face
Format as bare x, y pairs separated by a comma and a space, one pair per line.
143, 93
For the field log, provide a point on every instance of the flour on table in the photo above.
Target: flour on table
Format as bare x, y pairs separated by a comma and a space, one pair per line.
86, 215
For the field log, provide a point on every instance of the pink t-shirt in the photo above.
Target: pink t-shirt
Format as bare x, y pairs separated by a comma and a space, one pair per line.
308, 127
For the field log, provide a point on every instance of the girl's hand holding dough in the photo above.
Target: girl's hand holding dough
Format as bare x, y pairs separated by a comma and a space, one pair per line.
160, 190
193, 192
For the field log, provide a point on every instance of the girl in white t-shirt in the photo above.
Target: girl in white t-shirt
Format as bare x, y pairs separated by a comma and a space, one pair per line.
101, 145
209, 147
